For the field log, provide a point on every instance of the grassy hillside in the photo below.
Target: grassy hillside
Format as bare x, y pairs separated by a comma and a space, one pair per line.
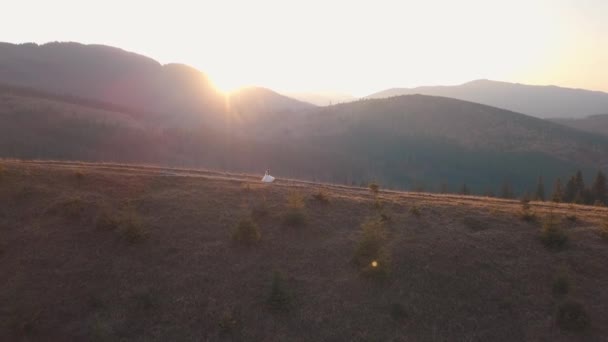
108, 252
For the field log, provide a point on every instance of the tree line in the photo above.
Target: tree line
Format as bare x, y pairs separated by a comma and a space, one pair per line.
573, 191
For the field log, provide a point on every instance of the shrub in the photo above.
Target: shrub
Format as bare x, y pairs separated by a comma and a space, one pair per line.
370, 254
295, 217
373, 237
71, 208
552, 235
385, 217
398, 311
228, 323
132, 229
321, 196
527, 215
295, 200
561, 284
107, 221
79, 175
296, 213
571, 316
101, 330
146, 300
474, 224
571, 217
246, 232
2, 172
415, 211
525, 203
280, 298
259, 210
374, 188
378, 204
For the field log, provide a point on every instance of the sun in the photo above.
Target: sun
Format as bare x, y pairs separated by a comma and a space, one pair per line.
225, 83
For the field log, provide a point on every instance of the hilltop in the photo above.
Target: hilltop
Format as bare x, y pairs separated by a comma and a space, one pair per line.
108, 251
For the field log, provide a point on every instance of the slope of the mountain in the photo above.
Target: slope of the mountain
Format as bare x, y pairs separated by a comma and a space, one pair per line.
181, 93
402, 142
260, 100
538, 101
421, 139
98, 72
597, 124
321, 98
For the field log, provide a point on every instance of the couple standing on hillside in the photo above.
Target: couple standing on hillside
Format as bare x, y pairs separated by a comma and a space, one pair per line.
267, 177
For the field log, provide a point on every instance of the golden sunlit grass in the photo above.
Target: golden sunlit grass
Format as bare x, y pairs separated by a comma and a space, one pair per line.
296, 211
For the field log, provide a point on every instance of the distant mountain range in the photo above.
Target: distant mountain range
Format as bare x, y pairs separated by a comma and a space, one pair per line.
97, 103
538, 101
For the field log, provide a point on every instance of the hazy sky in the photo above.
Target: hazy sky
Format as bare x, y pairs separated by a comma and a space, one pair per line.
352, 46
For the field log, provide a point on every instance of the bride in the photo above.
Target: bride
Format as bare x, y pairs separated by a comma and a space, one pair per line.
267, 177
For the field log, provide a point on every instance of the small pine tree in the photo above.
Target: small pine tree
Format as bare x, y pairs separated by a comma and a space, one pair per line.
465, 190
558, 192
540, 190
599, 189
579, 182
579, 198
506, 190
571, 190
490, 193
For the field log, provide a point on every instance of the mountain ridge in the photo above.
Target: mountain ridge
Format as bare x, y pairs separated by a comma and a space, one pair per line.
535, 100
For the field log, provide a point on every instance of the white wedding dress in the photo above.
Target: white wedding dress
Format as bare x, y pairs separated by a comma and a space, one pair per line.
267, 178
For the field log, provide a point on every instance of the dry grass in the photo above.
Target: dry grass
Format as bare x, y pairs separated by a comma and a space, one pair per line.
260, 210
468, 271
246, 232
229, 324
132, 228
107, 220
73, 207
79, 175
603, 231
398, 312
527, 215
553, 235
561, 283
415, 211
280, 298
321, 197
572, 316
